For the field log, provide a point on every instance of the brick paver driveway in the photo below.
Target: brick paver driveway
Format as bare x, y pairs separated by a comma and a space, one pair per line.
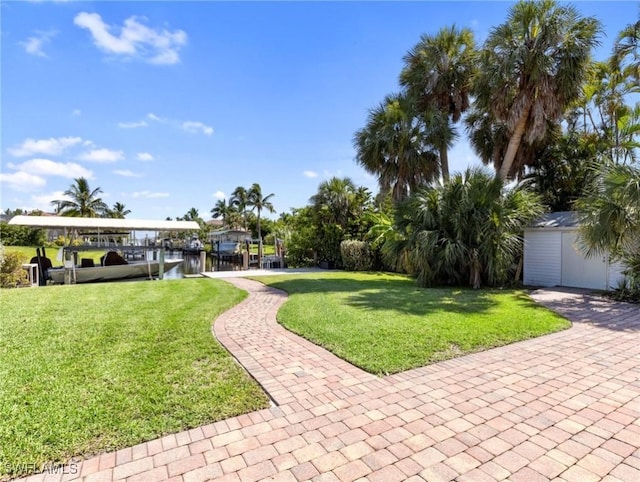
560, 407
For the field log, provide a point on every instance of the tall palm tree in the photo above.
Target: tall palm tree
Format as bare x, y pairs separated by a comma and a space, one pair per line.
437, 74
226, 211
240, 199
118, 211
82, 201
490, 140
467, 230
257, 201
531, 68
397, 146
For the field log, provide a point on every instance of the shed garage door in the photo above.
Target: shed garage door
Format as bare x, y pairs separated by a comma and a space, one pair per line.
579, 271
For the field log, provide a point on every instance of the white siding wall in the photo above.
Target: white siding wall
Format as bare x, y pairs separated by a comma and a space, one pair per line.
542, 258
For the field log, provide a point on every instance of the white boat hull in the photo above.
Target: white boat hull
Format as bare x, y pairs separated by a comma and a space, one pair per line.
143, 269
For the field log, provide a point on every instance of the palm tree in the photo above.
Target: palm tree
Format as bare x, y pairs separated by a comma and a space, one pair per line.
118, 211
192, 215
227, 212
256, 200
562, 171
626, 46
467, 230
437, 74
609, 215
609, 212
397, 146
531, 68
82, 201
240, 199
333, 201
330, 214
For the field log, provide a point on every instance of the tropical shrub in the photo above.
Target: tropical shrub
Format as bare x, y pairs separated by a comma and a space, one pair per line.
628, 288
609, 215
300, 247
356, 255
630, 291
12, 235
11, 272
338, 211
466, 231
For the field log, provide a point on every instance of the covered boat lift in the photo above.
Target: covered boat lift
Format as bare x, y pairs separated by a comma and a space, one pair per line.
101, 227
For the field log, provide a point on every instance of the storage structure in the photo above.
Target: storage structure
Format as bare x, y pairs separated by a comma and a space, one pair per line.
553, 258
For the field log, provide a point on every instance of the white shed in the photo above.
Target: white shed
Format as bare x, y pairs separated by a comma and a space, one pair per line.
552, 257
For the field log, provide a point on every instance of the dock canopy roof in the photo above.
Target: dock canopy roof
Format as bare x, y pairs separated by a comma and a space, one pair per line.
59, 222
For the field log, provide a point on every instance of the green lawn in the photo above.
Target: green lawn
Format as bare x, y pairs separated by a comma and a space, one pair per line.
89, 368
384, 324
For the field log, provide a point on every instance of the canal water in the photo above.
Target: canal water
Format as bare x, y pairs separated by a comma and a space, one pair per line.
190, 265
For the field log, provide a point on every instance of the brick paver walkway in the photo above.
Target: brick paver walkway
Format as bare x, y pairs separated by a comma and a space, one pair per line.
560, 407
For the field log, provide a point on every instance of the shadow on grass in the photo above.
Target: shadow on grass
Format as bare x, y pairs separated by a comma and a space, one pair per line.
403, 295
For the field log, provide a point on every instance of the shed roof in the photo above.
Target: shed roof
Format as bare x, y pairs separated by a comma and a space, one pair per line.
561, 219
53, 222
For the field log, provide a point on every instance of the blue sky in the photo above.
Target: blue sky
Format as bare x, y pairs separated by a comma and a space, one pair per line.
171, 105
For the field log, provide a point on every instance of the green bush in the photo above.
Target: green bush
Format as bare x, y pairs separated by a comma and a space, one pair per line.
11, 272
21, 235
356, 255
629, 288
62, 241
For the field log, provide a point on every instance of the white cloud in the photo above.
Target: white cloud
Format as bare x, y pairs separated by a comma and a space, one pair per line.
22, 181
193, 127
34, 45
76, 112
132, 125
43, 201
134, 39
310, 174
154, 117
102, 155
219, 195
46, 167
51, 147
126, 173
144, 157
149, 194
196, 127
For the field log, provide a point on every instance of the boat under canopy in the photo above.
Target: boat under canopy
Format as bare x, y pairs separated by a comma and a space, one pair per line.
85, 272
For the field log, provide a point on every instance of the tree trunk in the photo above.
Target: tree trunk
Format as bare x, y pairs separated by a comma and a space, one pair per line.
444, 163
519, 269
476, 271
512, 148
